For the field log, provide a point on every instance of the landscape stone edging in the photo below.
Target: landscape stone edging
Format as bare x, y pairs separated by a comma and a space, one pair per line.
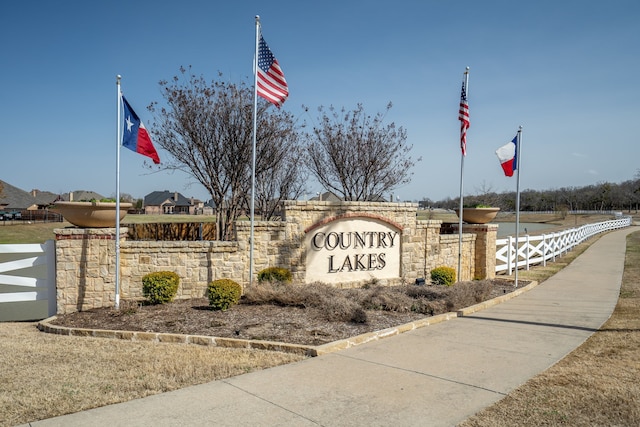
497, 300
306, 350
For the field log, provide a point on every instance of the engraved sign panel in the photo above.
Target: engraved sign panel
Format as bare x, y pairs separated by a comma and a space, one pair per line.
352, 249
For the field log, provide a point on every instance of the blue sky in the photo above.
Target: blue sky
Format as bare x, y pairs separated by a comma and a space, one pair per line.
564, 70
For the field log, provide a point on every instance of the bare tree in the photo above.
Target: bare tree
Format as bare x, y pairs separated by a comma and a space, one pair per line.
208, 130
276, 184
425, 203
124, 197
485, 195
354, 155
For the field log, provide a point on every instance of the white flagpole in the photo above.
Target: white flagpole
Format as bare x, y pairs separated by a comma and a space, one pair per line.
253, 160
461, 209
117, 237
518, 144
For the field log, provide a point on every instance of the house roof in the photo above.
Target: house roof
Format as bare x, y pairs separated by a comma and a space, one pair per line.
332, 197
15, 198
158, 198
327, 197
376, 198
81, 195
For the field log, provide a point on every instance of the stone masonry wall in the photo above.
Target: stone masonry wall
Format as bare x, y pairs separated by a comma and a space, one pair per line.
86, 257
85, 268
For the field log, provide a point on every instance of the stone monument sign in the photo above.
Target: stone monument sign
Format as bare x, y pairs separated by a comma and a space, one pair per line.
352, 249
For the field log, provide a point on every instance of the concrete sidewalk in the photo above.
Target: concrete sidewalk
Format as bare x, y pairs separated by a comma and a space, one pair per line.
435, 376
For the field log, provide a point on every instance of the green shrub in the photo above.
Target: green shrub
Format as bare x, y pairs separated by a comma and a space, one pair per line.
160, 287
274, 274
443, 276
223, 293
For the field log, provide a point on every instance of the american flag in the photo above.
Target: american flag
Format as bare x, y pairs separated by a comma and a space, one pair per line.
464, 120
271, 83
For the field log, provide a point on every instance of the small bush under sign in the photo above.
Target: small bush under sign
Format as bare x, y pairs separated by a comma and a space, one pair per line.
223, 293
443, 276
277, 274
160, 287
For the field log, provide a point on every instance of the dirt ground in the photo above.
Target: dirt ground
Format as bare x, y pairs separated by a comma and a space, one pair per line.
295, 325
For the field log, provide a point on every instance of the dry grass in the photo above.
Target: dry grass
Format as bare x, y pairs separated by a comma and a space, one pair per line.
595, 385
42, 375
541, 273
350, 305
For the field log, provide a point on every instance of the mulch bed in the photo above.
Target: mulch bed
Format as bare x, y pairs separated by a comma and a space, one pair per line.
294, 325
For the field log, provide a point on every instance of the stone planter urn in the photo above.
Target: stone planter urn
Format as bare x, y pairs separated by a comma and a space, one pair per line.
91, 214
478, 215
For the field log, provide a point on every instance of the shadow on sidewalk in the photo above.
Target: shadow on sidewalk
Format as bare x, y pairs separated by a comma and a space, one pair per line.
525, 322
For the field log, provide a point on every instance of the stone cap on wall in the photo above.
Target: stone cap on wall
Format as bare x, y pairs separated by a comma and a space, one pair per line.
76, 233
314, 203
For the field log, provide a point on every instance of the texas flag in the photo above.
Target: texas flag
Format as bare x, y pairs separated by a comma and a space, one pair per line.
135, 136
507, 154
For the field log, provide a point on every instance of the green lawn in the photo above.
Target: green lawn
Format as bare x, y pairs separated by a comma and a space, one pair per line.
15, 232
23, 232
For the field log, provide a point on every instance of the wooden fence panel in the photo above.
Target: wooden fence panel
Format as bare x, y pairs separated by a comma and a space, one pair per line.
27, 277
539, 249
187, 231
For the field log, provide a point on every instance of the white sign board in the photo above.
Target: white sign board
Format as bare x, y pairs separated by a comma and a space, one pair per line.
352, 249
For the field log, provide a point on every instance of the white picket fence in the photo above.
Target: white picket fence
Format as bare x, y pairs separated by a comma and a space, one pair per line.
27, 276
542, 248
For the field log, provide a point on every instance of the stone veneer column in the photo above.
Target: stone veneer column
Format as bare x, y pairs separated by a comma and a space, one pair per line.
271, 246
85, 267
426, 249
485, 251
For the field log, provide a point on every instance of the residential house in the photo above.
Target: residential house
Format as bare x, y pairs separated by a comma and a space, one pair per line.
332, 197
326, 197
167, 202
15, 199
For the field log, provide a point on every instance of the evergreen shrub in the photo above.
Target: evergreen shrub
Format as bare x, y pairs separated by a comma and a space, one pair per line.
160, 287
274, 274
443, 276
223, 293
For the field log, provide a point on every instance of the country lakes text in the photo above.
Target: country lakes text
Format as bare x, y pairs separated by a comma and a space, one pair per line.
368, 249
